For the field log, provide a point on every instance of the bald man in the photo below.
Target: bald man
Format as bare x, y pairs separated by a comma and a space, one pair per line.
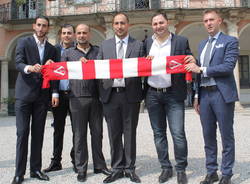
85, 108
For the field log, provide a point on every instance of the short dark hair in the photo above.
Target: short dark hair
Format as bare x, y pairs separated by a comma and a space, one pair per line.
66, 26
160, 13
120, 13
42, 17
211, 11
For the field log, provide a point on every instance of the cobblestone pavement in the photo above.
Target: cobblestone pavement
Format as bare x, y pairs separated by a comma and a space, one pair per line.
147, 164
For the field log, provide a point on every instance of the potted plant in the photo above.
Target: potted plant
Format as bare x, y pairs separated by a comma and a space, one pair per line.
11, 105
20, 2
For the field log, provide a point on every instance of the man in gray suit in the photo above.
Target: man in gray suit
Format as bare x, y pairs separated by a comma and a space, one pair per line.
121, 101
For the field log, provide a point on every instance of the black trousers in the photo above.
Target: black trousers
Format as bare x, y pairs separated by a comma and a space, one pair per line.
87, 110
122, 121
60, 113
36, 112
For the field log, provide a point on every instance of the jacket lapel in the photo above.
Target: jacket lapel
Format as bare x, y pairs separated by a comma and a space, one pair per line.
46, 52
113, 49
173, 45
129, 47
218, 42
36, 51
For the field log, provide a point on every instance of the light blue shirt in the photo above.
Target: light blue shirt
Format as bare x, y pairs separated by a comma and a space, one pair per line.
64, 84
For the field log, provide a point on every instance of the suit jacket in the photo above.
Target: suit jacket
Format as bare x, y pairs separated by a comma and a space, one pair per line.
223, 60
133, 85
28, 86
179, 46
82, 88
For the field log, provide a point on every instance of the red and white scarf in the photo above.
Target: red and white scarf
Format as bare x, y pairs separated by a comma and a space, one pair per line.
114, 68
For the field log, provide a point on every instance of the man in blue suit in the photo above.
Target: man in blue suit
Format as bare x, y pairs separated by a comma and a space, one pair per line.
216, 94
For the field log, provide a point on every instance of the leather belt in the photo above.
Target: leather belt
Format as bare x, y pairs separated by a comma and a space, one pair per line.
64, 92
209, 88
161, 90
118, 89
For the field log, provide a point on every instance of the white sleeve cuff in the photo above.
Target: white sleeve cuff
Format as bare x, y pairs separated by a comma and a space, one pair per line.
26, 69
196, 95
55, 95
204, 71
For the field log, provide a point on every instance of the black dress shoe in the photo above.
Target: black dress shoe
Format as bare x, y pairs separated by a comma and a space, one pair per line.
133, 177
210, 178
54, 166
17, 180
225, 180
82, 177
165, 175
182, 177
74, 168
113, 177
105, 171
39, 175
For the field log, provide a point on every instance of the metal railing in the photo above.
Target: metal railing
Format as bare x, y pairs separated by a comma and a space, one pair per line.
32, 8
4, 13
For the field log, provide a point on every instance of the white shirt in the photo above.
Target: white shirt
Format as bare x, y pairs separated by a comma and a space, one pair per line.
203, 53
120, 82
160, 50
41, 48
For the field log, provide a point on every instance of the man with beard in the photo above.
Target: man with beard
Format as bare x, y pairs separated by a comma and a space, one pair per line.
85, 108
121, 101
67, 33
32, 101
165, 99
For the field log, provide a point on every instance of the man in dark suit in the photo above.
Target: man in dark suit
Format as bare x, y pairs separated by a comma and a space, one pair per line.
67, 35
31, 100
165, 98
121, 101
217, 94
85, 108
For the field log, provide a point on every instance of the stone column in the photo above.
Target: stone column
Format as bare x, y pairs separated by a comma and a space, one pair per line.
109, 28
232, 30
4, 88
109, 31
52, 35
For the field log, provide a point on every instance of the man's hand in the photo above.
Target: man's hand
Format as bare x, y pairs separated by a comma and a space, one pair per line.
55, 101
196, 106
150, 57
192, 67
48, 62
83, 59
189, 59
35, 68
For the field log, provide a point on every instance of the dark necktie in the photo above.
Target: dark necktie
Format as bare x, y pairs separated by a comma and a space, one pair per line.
207, 81
207, 55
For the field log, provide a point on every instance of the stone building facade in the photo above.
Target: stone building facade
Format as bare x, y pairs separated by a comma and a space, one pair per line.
16, 17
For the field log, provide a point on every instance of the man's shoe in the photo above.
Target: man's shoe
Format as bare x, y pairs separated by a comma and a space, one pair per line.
39, 175
210, 178
74, 168
225, 180
113, 177
17, 180
133, 177
181, 177
165, 175
53, 167
82, 177
105, 171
